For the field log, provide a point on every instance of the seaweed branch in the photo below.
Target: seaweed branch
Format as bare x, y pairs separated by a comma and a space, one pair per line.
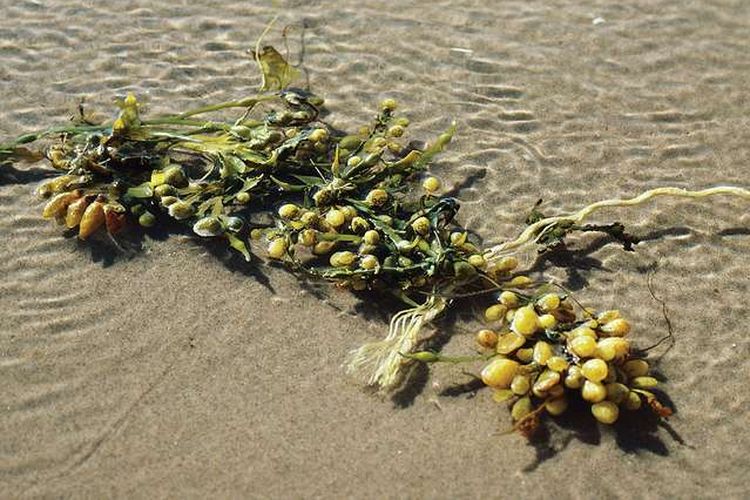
532, 234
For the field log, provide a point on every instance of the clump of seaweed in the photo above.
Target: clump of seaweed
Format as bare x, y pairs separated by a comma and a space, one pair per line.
349, 209
544, 348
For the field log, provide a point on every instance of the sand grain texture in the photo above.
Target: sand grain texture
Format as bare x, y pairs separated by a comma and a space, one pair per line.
172, 375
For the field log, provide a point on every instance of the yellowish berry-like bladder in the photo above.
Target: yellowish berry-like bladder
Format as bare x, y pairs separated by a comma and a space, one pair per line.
335, 218
595, 370
593, 391
277, 248
521, 408
583, 346
632, 401
509, 299
477, 261
377, 197
288, 211
556, 406
644, 382
616, 328
542, 352
371, 237
520, 385
548, 302
582, 331
575, 378
58, 205
557, 363
547, 321
607, 316
617, 392
525, 321
546, 381
635, 368
92, 219
369, 262
499, 373
507, 264
509, 342
431, 185
495, 312
75, 212
605, 412
343, 259
487, 338
323, 247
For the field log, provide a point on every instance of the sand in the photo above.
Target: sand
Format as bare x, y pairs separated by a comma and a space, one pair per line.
171, 374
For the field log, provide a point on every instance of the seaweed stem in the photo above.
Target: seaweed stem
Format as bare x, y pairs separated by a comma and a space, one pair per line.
531, 233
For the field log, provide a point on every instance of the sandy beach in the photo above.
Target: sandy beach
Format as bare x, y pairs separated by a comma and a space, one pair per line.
170, 374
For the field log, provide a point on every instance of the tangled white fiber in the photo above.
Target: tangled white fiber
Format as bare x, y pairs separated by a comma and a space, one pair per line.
383, 362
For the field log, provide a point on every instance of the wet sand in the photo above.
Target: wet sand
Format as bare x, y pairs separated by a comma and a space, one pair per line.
172, 374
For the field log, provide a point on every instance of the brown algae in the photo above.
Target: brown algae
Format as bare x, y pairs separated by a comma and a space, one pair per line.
355, 210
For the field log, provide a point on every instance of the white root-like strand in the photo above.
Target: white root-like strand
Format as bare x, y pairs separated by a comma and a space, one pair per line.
382, 362
531, 234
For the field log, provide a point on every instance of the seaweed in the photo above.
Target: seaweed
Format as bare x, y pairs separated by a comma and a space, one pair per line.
349, 209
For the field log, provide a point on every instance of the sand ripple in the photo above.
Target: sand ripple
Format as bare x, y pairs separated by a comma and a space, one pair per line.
136, 379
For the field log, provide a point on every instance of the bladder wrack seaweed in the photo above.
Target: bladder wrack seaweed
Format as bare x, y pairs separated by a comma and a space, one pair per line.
347, 209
